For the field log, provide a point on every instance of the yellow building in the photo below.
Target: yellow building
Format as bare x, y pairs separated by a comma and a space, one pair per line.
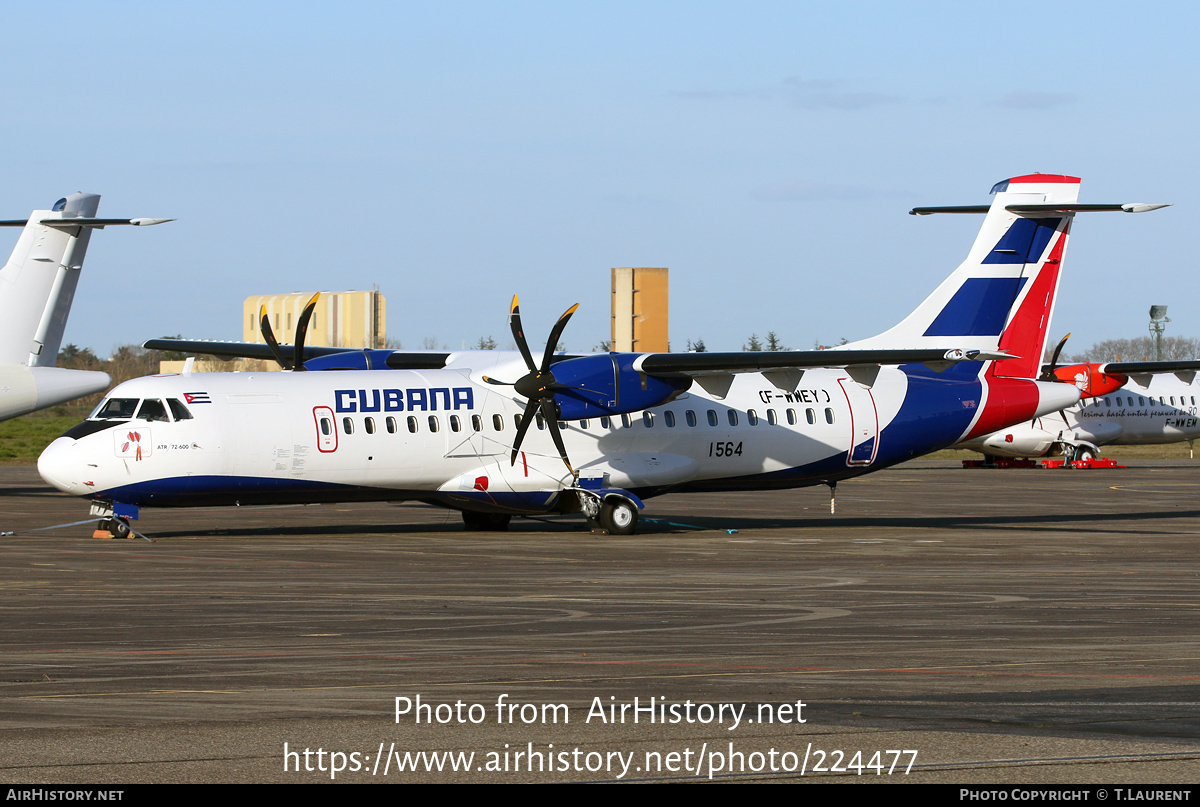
639, 310
352, 319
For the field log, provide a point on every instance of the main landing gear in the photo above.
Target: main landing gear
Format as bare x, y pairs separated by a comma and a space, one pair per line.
614, 514
612, 510
618, 516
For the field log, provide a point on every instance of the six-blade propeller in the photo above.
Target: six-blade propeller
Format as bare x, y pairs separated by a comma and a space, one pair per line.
538, 385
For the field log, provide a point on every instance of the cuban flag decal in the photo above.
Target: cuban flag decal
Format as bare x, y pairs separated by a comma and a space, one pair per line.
197, 397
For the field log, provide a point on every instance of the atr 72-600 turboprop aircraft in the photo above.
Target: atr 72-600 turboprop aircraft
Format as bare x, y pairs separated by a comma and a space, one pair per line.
494, 435
1124, 403
36, 288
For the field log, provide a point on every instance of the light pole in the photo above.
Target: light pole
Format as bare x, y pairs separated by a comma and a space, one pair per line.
1158, 324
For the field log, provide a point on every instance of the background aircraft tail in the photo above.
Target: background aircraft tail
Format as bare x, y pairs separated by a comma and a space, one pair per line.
38, 283
1002, 296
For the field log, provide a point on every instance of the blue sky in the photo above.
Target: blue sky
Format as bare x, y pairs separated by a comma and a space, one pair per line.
456, 153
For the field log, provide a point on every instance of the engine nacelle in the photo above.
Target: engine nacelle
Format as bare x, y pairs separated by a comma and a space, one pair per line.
608, 385
1091, 382
351, 360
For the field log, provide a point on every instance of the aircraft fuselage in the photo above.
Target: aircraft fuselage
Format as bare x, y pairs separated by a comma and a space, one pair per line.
441, 436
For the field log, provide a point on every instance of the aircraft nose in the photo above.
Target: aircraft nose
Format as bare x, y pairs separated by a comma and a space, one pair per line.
60, 466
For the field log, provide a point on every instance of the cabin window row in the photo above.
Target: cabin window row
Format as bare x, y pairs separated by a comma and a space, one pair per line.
412, 424
648, 419
1140, 400
732, 417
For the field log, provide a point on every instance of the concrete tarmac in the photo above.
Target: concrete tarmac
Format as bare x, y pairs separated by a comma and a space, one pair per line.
975, 627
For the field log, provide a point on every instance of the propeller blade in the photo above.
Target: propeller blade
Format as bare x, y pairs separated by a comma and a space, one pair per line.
1049, 374
523, 427
550, 414
264, 325
302, 329
514, 322
555, 333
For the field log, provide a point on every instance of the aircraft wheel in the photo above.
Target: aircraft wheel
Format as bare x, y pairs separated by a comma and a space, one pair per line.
117, 526
485, 522
619, 516
1082, 454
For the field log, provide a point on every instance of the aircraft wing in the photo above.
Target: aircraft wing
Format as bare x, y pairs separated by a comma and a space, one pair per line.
232, 350
749, 362
85, 221
1132, 367
1129, 367
396, 359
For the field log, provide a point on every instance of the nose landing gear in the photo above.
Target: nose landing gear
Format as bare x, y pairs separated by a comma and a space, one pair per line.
112, 528
114, 520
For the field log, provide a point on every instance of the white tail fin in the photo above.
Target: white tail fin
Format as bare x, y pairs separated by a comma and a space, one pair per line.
1002, 296
38, 283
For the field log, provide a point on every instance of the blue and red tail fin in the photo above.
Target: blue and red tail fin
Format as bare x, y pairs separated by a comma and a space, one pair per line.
1002, 296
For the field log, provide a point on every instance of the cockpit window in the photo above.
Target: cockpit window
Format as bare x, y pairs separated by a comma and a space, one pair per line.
152, 410
179, 410
116, 409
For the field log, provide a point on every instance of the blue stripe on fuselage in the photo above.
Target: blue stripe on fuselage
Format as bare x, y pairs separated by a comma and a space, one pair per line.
203, 491
937, 410
212, 491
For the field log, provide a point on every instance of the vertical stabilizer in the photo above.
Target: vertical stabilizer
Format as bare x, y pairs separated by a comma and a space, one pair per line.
38, 283
1003, 294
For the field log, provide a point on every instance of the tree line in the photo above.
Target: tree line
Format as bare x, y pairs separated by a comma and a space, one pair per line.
1143, 348
125, 363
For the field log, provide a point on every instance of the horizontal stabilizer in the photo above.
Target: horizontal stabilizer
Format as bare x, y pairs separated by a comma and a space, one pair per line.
1042, 210
84, 221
